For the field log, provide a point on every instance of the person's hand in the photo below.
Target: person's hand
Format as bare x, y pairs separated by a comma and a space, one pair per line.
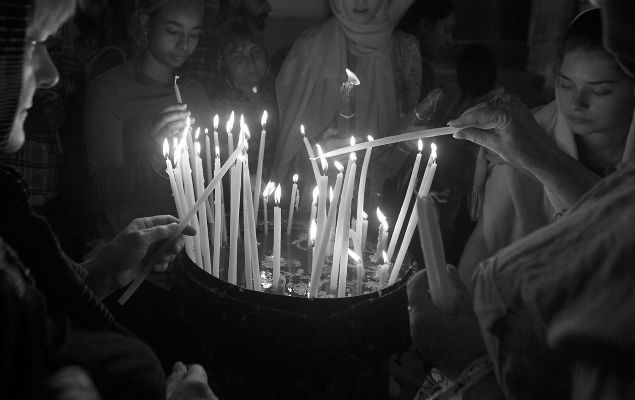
169, 122
121, 260
426, 110
188, 383
71, 383
505, 126
448, 341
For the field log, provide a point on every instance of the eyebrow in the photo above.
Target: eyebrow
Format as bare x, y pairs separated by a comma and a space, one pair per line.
602, 82
170, 22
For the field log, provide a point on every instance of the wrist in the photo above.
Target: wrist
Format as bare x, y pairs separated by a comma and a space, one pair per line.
100, 277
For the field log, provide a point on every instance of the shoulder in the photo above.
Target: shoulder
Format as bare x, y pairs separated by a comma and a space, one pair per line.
108, 81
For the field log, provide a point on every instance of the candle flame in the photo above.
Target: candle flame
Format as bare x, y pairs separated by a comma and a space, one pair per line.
230, 123
434, 151
197, 133
354, 256
206, 132
385, 256
278, 194
263, 120
364, 215
316, 193
268, 189
351, 78
177, 156
166, 148
313, 230
176, 78
330, 194
254, 90
241, 121
352, 140
370, 138
382, 218
215, 122
302, 130
197, 148
353, 156
420, 145
295, 178
325, 164
217, 151
339, 166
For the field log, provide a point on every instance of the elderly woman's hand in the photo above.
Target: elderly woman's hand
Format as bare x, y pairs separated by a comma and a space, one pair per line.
507, 127
120, 261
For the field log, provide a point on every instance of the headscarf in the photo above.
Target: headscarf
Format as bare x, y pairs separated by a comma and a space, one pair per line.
309, 81
13, 23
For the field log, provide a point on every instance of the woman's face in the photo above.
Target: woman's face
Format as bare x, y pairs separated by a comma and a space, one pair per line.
174, 32
594, 95
246, 63
38, 70
436, 38
362, 11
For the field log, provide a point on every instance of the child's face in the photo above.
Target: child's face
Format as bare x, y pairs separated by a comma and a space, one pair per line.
174, 33
246, 63
362, 11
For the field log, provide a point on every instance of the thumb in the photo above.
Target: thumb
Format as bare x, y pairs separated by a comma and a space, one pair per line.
481, 137
178, 373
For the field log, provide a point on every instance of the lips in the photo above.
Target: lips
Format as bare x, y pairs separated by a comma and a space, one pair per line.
578, 120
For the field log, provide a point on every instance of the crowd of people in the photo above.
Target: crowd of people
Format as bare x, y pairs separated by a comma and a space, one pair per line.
544, 272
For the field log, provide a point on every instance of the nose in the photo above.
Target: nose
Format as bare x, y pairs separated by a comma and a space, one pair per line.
46, 75
579, 101
184, 42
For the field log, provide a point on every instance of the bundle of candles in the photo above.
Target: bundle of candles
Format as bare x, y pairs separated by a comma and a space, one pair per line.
330, 234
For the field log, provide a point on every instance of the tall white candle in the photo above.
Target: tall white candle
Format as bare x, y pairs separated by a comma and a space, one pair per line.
412, 223
383, 271
230, 137
215, 121
313, 215
233, 222
441, 290
209, 172
261, 156
249, 282
382, 234
406, 203
323, 242
361, 193
364, 231
170, 171
177, 92
293, 202
311, 154
277, 233
359, 267
343, 224
323, 192
331, 228
346, 224
186, 171
217, 218
202, 213
250, 229
269, 189
178, 177
311, 243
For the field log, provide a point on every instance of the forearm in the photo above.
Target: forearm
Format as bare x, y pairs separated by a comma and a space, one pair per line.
563, 175
100, 277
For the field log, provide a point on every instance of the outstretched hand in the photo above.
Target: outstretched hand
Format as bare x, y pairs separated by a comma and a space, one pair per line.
505, 126
122, 259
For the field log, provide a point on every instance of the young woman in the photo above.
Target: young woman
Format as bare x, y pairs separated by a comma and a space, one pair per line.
132, 108
589, 122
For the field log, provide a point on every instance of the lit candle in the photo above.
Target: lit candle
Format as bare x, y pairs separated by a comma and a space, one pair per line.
261, 155
230, 137
209, 211
382, 235
177, 92
215, 124
316, 193
383, 271
406, 203
277, 232
323, 191
269, 189
343, 224
430, 170
412, 223
346, 227
359, 267
331, 229
190, 145
188, 185
293, 203
323, 242
360, 195
346, 118
250, 225
217, 217
202, 213
311, 243
309, 150
441, 290
208, 157
170, 171
249, 281
233, 221
364, 231
178, 177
